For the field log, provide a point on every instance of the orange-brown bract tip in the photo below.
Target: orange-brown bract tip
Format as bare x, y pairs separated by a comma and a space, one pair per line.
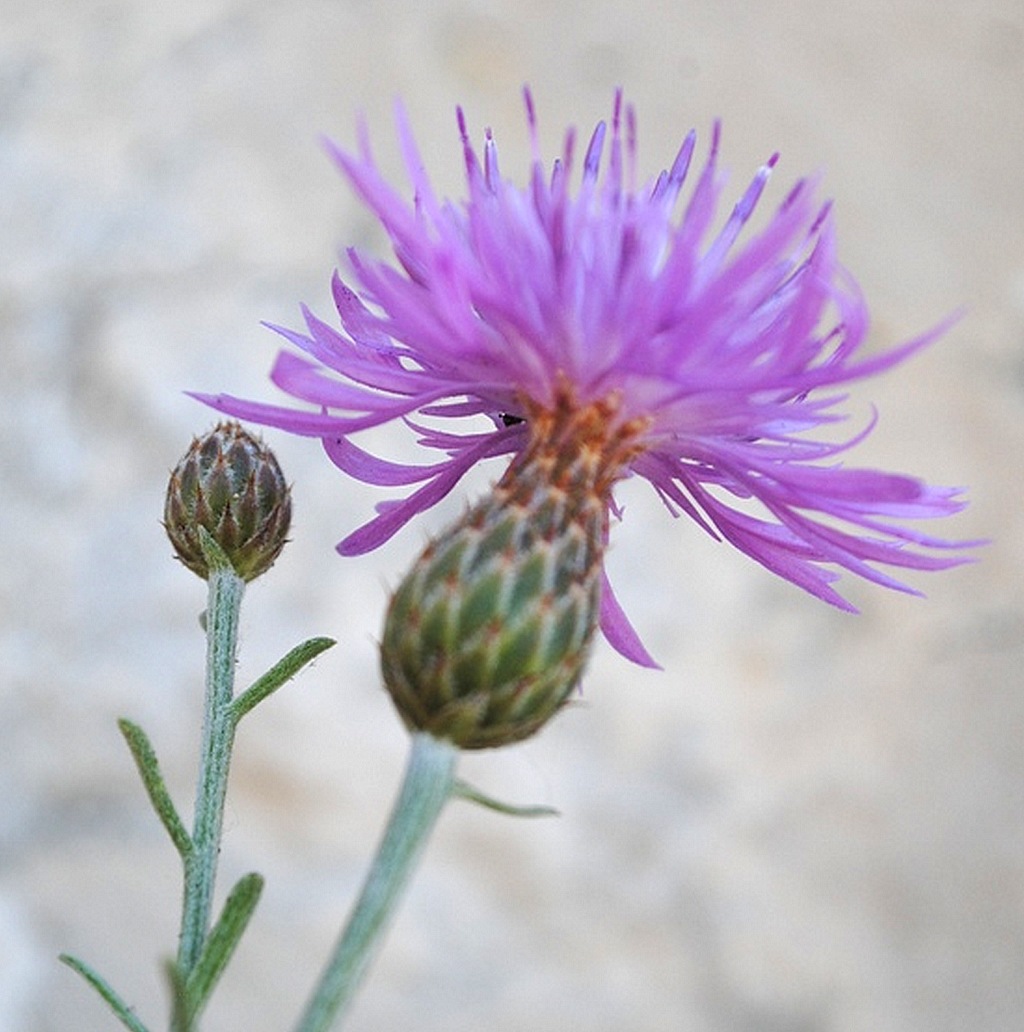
230, 484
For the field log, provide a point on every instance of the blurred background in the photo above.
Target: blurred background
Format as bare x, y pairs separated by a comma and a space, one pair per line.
808, 822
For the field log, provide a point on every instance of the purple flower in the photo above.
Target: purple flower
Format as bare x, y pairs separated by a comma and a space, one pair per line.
715, 358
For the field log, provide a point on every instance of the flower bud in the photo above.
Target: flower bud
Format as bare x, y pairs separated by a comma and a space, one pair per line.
229, 483
490, 631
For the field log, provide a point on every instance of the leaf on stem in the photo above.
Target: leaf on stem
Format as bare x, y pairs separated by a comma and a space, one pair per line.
215, 556
282, 671
181, 1019
463, 790
149, 770
222, 941
116, 1004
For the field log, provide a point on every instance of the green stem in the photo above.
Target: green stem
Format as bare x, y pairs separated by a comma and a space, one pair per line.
224, 599
428, 783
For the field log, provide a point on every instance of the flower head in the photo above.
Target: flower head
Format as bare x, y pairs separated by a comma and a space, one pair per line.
228, 484
710, 355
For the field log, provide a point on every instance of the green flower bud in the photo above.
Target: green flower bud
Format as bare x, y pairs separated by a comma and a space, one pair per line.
229, 483
489, 633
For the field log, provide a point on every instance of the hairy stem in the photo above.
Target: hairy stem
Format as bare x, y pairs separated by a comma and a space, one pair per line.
225, 589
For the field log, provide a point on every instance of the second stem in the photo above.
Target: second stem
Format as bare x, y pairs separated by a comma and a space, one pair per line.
428, 784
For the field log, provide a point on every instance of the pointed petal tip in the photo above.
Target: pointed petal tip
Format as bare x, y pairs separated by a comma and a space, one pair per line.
619, 632
531, 110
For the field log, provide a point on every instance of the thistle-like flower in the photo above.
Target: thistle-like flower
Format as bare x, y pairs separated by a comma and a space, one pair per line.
607, 326
228, 483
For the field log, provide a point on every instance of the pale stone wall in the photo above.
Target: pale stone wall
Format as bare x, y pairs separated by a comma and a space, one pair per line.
809, 822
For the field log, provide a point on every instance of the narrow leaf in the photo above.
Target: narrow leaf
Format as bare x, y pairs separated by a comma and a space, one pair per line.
222, 941
463, 790
116, 1004
181, 1017
149, 770
282, 671
215, 556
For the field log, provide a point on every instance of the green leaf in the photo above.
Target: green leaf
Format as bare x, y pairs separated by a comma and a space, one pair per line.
116, 1004
149, 770
222, 941
463, 790
215, 556
282, 671
181, 1018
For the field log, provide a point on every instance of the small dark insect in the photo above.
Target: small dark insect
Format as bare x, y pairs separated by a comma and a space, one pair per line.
510, 420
